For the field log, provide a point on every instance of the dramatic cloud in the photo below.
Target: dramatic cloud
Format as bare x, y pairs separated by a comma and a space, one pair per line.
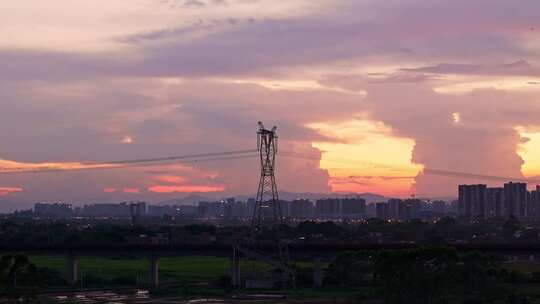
432, 84
469, 133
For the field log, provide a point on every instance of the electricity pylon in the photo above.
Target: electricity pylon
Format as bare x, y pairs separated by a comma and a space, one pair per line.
267, 214
267, 209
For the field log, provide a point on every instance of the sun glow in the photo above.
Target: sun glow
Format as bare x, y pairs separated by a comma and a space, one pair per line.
127, 140
528, 152
456, 117
366, 157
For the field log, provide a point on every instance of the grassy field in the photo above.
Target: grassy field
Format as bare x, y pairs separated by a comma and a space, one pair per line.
192, 275
190, 269
178, 269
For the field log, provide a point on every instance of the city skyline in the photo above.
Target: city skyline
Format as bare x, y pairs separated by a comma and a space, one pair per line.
372, 92
475, 202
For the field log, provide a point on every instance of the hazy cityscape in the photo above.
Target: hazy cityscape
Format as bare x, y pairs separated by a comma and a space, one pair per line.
473, 202
502, 222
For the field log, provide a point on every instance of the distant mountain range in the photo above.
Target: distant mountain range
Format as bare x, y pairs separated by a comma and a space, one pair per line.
194, 198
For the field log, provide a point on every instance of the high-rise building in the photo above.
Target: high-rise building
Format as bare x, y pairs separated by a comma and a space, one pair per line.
472, 200
353, 207
382, 210
211, 209
533, 204
394, 205
250, 207
137, 210
340, 207
411, 208
187, 210
328, 208
53, 209
107, 210
234, 209
494, 202
301, 208
515, 200
161, 210
285, 209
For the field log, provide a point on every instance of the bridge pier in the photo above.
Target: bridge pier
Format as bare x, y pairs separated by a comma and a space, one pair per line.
235, 269
72, 269
318, 273
153, 271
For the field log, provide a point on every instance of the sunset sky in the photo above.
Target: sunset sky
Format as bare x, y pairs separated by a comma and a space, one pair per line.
370, 91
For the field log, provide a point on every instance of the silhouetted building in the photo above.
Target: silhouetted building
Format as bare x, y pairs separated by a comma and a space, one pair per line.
187, 210
533, 203
158, 210
250, 206
328, 208
398, 209
234, 209
211, 209
107, 210
137, 211
382, 210
394, 206
411, 207
515, 200
53, 210
340, 207
353, 207
472, 200
301, 208
494, 202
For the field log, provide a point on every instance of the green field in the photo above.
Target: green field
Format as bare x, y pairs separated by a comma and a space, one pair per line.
204, 275
133, 271
178, 269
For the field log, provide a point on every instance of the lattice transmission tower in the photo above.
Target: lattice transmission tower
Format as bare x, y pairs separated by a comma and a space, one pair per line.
267, 209
264, 243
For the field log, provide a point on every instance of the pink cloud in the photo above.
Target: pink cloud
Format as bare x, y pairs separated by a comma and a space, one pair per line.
185, 189
131, 190
171, 179
9, 190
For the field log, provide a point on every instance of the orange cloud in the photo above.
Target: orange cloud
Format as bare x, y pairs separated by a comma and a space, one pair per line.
185, 188
109, 190
172, 179
131, 190
9, 166
9, 190
364, 158
393, 187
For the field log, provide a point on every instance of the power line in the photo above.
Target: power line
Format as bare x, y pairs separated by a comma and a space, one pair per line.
173, 158
239, 154
139, 163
